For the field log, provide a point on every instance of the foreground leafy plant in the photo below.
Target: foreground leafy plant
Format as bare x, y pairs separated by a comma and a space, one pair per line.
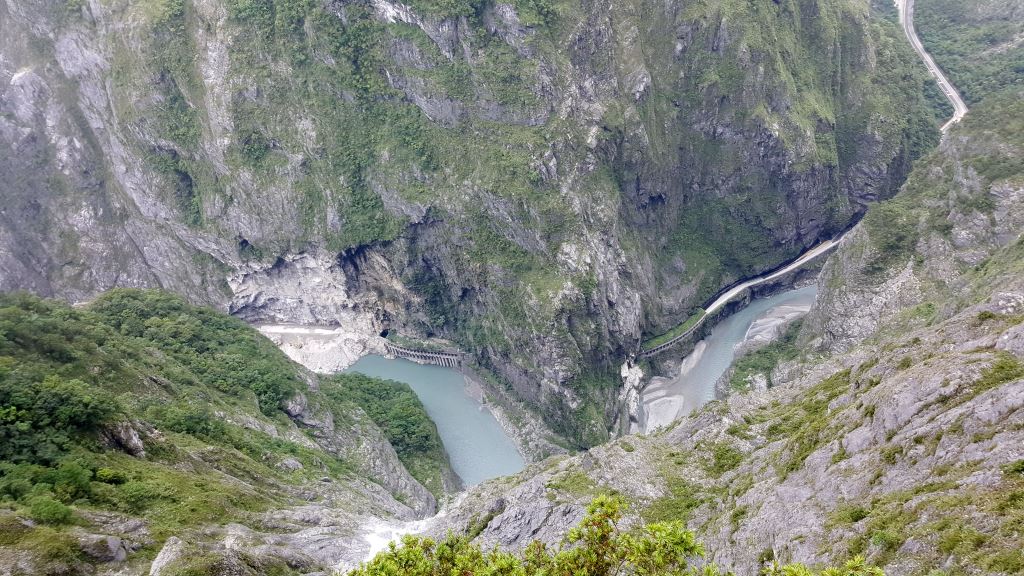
596, 547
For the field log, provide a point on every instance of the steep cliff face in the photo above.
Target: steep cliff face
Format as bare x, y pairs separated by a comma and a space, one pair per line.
542, 182
906, 444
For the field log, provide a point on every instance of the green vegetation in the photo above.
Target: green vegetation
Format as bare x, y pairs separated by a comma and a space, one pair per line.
222, 352
48, 511
893, 229
976, 43
801, 423
724, 457
1005, 368
934, 512
677, 505
692, 321
396, 410
596, 547
765, 359
179, 377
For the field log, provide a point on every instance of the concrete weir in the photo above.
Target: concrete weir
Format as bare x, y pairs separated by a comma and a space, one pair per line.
446, 359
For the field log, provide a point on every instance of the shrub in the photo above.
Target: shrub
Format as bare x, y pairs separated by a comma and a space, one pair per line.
986, 315
137, 496
682, 499
890, 454
724, 458
1015, 468
885, 540
49, 511
111, 476
70, 481
198, 421
851, 514
1005, 369
39, 419
892, 227
15, 488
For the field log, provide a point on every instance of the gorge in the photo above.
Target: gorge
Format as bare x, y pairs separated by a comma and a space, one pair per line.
712, 285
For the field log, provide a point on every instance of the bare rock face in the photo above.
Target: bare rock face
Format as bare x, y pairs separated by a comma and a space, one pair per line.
173, 550
847, 313
124, 436
103, 548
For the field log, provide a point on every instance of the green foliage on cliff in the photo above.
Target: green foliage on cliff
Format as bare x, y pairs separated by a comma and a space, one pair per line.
201, 392
976, 43
766, 358
595, 547
892, 226
398, 412
697, 316
223, 353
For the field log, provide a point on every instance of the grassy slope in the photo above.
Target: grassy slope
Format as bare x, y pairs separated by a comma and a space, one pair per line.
186, 378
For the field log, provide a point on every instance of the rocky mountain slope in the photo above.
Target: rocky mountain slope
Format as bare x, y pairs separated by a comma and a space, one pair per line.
543, 182
899, 431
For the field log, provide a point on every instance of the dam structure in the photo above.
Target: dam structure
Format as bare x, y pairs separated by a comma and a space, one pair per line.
446, 359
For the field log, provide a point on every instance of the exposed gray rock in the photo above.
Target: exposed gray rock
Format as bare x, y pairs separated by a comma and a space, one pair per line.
364, 443
124, 436
173, 550
103, 548
290, 464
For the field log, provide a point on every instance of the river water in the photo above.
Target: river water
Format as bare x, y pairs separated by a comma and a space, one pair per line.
478, 447
668, 399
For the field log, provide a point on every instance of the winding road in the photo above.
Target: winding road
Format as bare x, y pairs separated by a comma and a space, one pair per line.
803, 259
906, 9
739, 288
